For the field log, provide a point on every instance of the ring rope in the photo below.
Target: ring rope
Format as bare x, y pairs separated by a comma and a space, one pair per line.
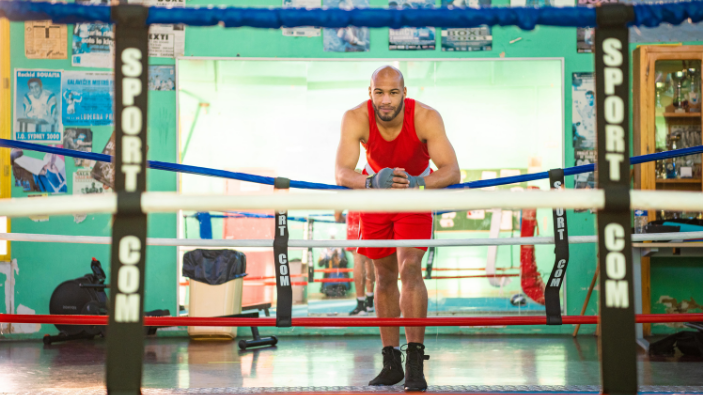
242, 214
340, 322
204, 171
356, 200
526, 18
300, 243
351, 279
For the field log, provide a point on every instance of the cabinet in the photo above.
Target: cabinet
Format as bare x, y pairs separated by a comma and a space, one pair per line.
666, 101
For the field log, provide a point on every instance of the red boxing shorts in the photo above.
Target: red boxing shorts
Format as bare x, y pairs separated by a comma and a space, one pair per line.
352, 228
393, 226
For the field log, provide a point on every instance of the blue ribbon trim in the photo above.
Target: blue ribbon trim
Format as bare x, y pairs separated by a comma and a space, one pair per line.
526, 18
204, 171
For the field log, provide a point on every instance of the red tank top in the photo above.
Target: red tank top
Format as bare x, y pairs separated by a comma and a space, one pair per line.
405, 151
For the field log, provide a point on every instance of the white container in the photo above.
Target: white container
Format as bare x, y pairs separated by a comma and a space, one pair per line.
214, 301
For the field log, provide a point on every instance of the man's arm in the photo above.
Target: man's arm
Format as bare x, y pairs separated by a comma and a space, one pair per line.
348, 152
431, 127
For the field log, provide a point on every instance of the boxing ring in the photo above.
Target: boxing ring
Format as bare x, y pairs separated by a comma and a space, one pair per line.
131, 203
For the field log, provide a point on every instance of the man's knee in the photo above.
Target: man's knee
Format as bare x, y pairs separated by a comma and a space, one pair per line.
386, 275
411, 271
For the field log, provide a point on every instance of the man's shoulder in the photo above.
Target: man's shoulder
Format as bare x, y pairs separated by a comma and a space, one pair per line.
358, 113
425, 113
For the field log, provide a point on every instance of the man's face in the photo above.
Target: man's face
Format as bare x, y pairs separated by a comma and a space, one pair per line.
589, 98
387, 94
35, 89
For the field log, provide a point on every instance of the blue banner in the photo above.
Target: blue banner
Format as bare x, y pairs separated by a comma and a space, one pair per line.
37, 106
88, 98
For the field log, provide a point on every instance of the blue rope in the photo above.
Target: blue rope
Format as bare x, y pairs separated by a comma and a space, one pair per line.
167, 166
526, 18
204, 171
243, 214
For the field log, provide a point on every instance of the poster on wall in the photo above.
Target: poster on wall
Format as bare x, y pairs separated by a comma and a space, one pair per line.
93, 43
585, 36
88, 98
104, 172
37, 117
165, 41
303, 31
79, 139
85, 184
45, 40
162, 78
471, 39
346, 39
411, 38
583, 125
43, 174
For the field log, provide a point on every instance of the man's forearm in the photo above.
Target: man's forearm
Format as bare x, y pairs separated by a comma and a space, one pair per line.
350, 179
442, 178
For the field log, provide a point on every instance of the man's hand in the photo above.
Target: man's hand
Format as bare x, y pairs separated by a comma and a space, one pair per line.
388, 178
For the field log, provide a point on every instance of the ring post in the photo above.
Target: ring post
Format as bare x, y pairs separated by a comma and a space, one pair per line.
284, 291
561, 252
307, 254
125, 339
617, 314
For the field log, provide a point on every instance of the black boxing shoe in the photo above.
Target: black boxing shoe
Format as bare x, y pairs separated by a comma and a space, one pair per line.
360, 308
370, 304
414, 366
392, 372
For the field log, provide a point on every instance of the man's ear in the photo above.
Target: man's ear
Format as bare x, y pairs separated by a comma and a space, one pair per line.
405, 91
369, 92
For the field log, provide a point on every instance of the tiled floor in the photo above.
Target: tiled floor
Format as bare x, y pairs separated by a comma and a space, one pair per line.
178, 363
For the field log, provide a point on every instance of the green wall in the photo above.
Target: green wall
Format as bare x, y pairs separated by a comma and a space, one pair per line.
43, 266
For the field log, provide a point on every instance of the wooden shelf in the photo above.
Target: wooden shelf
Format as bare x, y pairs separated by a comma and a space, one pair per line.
678, 181
682, 115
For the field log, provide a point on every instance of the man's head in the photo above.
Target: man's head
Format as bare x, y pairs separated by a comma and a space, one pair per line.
387, 92
35, 87
590, 96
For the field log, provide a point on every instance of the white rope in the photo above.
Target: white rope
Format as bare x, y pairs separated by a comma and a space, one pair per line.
357, 200
297, 243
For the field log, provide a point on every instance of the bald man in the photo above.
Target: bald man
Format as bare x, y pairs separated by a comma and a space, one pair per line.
400, 136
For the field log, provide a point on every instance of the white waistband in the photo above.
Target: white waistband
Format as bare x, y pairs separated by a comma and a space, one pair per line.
425, 173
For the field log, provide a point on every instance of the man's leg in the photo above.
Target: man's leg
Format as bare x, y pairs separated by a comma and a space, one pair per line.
359, 283
387, 297
360, 275
413, 296
370, 280
385, 262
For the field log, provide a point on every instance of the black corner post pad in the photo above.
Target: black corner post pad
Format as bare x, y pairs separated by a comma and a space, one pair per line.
129, 203
614, 14
616, 308
284, 291
281, 183
617, 198
134, 15
552, 303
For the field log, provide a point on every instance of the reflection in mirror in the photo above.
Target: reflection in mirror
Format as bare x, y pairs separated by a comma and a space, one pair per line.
282, 118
